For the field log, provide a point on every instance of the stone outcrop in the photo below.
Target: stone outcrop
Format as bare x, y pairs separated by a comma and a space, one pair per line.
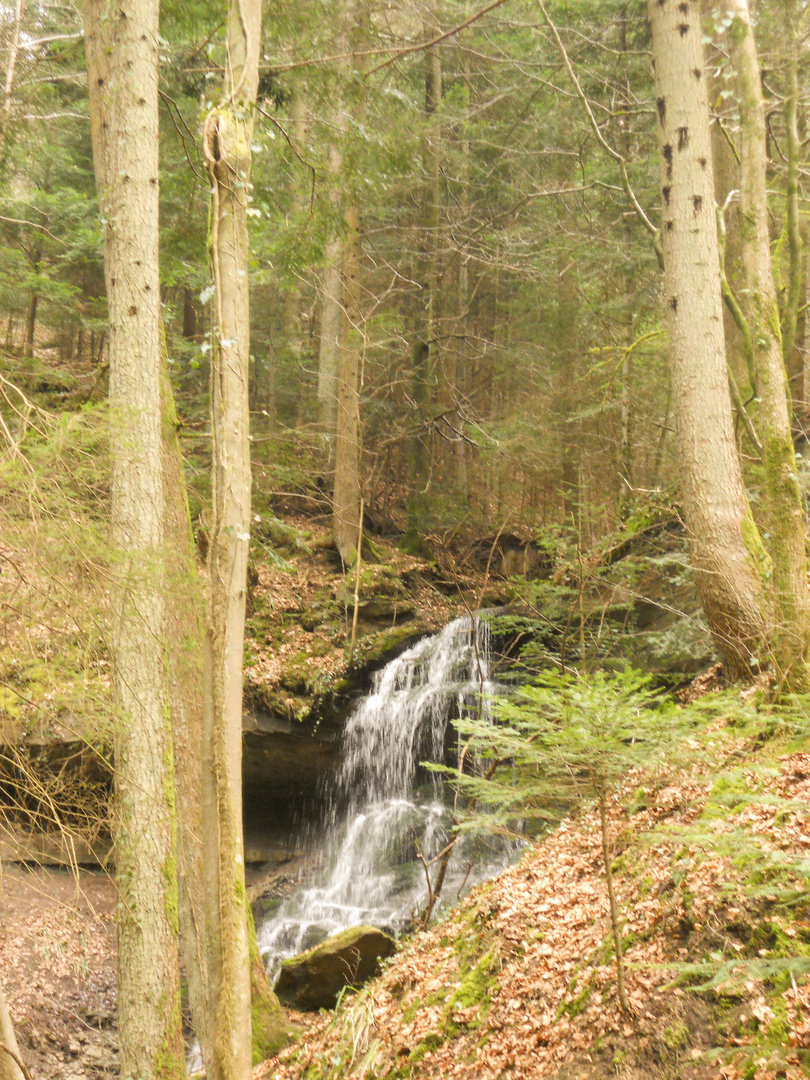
292, 731
315, 979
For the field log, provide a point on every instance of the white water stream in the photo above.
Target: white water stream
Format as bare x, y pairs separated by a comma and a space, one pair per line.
369, 871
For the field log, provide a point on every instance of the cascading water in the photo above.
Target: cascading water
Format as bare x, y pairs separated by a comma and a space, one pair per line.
381, 823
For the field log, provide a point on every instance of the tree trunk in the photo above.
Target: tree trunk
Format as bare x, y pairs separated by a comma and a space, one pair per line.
346, 495
191, 730
122, 61
793, 299
11, 67
725, 169
790, 609
426, 334
31, 315
567, 357
626, 410
332, 291
346, 491
726, 549
227, 139
329, 342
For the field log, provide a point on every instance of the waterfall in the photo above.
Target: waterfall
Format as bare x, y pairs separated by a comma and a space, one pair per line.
385, 811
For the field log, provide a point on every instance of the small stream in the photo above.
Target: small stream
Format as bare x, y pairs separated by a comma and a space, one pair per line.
385, 811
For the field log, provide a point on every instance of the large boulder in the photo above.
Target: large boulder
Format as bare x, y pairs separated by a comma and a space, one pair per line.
314, 979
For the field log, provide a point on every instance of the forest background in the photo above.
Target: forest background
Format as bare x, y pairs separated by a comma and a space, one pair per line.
456, 317
507, 303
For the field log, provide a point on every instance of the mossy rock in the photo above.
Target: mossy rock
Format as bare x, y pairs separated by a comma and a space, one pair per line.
315, 979
377, 649
381, 579
322, 616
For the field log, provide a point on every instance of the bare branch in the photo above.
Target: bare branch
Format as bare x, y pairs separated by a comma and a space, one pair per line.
613, 153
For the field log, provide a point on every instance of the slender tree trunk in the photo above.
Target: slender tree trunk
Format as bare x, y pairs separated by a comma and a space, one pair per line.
726, 549
31, 316
122, 61
291, 298
330, 330
8, 84
626, 412
191, 729
626, 434
346, 491
346, 495
332, 287
426, 337
790, 607
567, 356
31, 325
460, 378
460, 369
725, 169
189, 316
792, 356
227, 139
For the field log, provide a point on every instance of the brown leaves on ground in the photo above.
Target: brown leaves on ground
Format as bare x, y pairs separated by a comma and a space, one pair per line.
284, 596
57, 963
520, 981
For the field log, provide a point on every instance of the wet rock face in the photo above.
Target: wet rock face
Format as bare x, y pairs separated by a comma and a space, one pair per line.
292, 741
315, 979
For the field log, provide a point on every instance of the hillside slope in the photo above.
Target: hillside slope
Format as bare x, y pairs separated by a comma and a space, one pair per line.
519, 981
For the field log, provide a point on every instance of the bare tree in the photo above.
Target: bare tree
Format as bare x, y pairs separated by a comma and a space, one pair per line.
226, 144
122, 63
346, 493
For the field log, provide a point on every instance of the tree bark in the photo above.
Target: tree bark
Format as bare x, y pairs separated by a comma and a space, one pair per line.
426, 333
31, 323
793, 299
121, 42
790, 608
346, 491
626, 410
331, 305
725, 168
191, 729
227, 140
567, 355
11, 68
346, 495
726, 549
189, 316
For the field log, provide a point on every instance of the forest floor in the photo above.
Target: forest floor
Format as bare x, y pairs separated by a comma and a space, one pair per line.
711, 859
57, 961
519, 980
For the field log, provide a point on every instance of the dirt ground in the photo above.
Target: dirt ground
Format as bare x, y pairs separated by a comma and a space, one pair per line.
57, 964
